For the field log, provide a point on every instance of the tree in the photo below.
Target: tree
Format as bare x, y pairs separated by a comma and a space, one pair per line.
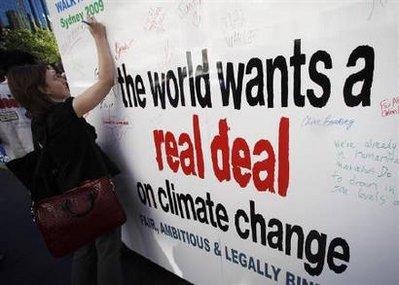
40, 43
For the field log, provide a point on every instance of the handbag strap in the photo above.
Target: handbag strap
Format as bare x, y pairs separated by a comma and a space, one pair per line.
36, 143
42, 148
38, 147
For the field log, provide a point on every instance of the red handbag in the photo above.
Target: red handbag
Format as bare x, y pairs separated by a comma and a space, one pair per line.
78, 216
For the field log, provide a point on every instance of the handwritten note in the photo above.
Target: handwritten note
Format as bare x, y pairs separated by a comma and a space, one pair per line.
367, 170
390, 107
116, 127
155, 20
376, 4
73, 37
237, 31
190, 10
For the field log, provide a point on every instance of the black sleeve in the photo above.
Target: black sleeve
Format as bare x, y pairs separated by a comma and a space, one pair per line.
66, 109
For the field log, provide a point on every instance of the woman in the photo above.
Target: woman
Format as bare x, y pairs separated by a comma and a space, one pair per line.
58, 125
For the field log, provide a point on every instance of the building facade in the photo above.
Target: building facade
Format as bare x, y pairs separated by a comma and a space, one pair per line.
29, 14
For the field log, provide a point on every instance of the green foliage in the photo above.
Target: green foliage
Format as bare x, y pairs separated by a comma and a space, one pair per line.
41, 43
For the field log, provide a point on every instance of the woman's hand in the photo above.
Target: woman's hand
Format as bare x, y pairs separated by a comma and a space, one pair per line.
96, 29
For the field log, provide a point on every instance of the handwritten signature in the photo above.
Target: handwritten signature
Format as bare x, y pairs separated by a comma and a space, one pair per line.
121, 48
72, 39
191, 9
380, 3
155, 20
389, 107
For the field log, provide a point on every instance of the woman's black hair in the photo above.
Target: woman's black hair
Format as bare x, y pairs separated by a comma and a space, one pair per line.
11, 58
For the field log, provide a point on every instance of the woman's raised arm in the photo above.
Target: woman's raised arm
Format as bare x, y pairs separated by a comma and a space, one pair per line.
91, 97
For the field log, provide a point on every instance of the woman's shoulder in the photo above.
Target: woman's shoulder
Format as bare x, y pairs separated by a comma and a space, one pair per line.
62, 113
64, 108
59, 116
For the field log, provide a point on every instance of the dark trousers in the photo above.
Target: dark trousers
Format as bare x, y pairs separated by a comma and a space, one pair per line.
99, 262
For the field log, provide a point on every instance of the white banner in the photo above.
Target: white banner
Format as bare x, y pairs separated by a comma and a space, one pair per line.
258, 140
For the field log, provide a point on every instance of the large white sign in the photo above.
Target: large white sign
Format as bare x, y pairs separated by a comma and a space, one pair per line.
258, 140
